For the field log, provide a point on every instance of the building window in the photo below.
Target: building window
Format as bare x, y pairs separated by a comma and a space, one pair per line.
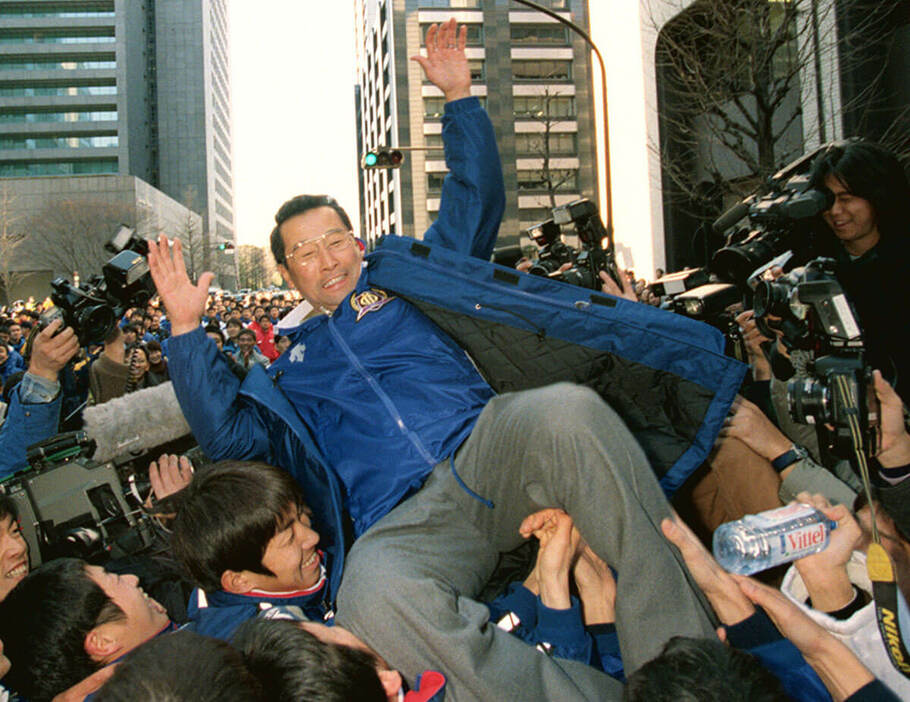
474, 38
560, 144
60, 142
19, 169
435, 149
478, 72
539, 34
542, 69
543, 106
57, 90
434, 182
58, 116
473, 4
70, 36
562, 179
27, 63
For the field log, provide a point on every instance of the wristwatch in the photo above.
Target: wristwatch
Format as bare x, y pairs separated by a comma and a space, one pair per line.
788, 458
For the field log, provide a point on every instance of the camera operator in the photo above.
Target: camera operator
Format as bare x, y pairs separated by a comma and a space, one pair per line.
868, 237
35, 405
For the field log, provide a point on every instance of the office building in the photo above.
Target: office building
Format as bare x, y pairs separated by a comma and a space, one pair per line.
123, 87
531, 72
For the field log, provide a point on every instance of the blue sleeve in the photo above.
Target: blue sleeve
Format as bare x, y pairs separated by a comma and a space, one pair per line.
208, 394
760, 637
606, 649
25, 425
875, 691
473, 193
563, 631
518, 600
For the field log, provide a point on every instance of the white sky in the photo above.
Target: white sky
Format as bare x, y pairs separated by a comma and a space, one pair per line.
292, 65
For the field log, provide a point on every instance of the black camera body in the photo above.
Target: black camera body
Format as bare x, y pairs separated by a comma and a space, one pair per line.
93, 308
596, 254
71, 506
810, 309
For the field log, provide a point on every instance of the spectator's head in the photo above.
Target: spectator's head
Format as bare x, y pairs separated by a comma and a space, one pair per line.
292, 664
13, 549
182, 667
242, 526
15, 332
4, 353
131, 334
214, 333
274, 312
155, 352
233, 327
315, 249
872, 196
264, 322
258, 311
66, 619
139, 360
246, 314
282, 343
4, 333
702, 670
246, 340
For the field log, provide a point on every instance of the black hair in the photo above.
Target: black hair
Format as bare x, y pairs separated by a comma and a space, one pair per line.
43, 624
248, 331
872, 172
155, 345
215, 329
226, 517
12, 380
299, 205
702, 670
182, 666
292, 664
234, 321
8, 508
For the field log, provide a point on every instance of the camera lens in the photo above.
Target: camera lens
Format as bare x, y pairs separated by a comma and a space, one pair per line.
771, 298
95, 323
809, 401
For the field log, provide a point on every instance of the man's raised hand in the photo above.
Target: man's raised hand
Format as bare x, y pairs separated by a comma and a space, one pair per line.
184, 301
445, 64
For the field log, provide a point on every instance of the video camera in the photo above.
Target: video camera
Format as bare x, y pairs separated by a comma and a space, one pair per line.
93, 308
69, 505
809, 307
595, 255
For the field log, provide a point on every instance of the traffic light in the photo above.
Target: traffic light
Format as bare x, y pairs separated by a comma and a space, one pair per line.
383, 157
226, 246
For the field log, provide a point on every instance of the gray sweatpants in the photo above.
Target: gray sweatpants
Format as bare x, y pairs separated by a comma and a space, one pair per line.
409, 579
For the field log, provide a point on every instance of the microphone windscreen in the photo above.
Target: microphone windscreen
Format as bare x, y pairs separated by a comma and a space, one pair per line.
135, 422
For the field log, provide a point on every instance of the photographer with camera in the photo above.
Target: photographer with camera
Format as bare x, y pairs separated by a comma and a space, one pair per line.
34, 410
867, 235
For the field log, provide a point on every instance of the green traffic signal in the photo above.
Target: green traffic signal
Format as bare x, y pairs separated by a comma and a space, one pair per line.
383, 157
370, 160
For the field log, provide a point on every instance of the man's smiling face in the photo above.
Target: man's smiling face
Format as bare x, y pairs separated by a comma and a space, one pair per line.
327, 278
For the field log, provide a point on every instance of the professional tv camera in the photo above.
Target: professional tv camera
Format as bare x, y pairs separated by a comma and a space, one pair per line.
597, 250
809, 307
93, 308
71, 506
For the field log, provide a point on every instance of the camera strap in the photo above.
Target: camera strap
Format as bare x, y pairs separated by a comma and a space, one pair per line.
878, 562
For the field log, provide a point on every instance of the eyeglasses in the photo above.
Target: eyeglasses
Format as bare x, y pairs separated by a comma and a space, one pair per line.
303, 253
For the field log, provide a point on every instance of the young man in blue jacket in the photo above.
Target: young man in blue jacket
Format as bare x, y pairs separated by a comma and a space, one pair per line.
374, 410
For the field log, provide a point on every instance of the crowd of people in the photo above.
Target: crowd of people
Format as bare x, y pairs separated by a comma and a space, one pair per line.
361, 529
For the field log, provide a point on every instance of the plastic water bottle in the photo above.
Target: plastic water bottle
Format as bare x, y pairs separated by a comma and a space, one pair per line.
761, 541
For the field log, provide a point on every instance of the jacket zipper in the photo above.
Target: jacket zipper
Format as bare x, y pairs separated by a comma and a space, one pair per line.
381, 394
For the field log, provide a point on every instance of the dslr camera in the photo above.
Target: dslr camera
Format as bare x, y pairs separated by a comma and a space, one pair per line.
94, 307
808, 306
596, 252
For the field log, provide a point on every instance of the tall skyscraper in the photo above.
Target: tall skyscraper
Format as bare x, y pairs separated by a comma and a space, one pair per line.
532, 74
126, 87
